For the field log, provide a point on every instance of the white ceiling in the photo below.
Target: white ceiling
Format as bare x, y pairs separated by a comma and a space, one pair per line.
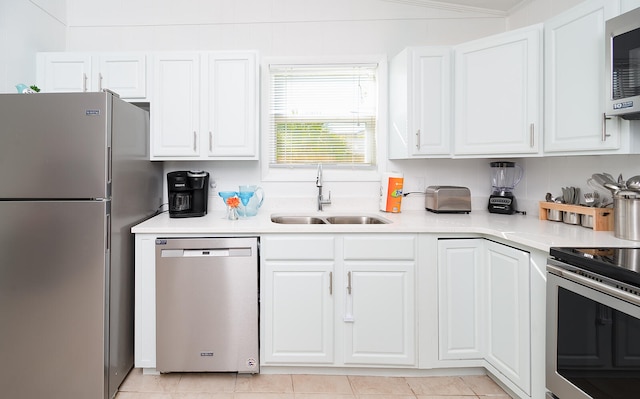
498, 7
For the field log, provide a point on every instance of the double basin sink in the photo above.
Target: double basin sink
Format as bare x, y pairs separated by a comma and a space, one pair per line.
330, 219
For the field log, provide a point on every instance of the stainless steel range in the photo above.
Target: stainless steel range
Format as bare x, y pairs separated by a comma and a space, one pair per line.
593, 323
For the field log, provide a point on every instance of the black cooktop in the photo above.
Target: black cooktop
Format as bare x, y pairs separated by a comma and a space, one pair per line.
621, 264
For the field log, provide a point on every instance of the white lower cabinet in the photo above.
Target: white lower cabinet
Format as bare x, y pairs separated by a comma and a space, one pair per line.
297, 299
508, 313
338, 300
484, 307
460, 299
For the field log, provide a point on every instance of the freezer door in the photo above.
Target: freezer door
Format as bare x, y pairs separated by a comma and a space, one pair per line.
54, 145
53, 268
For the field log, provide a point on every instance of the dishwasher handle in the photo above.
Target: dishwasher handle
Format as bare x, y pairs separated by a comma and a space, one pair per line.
206, 253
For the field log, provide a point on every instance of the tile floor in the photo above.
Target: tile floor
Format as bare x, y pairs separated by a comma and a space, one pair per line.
303, 386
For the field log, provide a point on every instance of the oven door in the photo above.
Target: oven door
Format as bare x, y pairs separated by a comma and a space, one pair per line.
592, 338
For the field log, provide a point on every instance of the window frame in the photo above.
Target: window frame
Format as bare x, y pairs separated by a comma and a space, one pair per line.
343, 172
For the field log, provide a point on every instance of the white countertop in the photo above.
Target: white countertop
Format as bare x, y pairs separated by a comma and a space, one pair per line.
524, 230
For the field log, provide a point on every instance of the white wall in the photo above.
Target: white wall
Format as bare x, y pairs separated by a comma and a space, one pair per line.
274, 27
26, 27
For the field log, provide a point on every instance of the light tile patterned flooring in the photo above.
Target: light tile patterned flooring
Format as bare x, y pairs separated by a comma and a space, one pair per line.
304, 386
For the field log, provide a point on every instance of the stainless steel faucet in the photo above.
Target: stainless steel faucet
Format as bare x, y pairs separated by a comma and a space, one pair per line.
321, 200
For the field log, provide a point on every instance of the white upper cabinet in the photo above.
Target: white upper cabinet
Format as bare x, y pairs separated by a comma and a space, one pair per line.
498, 95
420, 103
575, 83
231, 103
122, 73
628, 5
204, 106
175, 106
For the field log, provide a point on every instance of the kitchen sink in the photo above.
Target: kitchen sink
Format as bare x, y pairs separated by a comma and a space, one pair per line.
333, 219
356, 220
287, 219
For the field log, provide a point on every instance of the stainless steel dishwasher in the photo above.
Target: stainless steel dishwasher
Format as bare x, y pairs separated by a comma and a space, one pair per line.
207, 304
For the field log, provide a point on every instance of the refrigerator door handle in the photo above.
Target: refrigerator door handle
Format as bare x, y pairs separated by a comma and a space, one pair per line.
109, 171
108, 242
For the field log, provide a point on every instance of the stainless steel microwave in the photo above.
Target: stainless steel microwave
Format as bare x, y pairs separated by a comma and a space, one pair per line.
622, 50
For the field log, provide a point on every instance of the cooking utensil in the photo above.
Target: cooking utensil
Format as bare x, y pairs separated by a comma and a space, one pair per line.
589, 199
608, 175
606, 180
634, 182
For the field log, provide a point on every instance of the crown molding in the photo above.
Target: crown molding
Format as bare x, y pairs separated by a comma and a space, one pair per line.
451, 7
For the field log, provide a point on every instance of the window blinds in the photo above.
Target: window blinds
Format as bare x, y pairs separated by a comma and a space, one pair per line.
323, 114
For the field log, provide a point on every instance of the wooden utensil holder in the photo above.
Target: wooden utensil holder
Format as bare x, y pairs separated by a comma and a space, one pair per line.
602, 217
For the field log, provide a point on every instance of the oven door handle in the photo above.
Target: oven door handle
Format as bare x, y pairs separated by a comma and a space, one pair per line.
615, 292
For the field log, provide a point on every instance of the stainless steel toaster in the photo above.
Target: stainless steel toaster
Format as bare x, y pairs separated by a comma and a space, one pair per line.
447, 199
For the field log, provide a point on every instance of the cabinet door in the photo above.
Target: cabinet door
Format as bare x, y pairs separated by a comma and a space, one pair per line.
124, 74
508, 313
297, 312
175, 105
460, 298
231, 104
420, 102
431, 102
379, 313
498, 94
575, 80
64, 72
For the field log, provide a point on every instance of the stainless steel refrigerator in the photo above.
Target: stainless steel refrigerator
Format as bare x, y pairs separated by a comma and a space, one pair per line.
75, 176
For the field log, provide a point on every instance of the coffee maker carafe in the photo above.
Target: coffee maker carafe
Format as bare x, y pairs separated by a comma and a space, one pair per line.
504, 178
187, 193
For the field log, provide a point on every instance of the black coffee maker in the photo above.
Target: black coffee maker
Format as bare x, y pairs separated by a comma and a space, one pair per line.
188, 193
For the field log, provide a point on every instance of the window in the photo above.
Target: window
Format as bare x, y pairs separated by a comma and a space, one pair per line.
323, 114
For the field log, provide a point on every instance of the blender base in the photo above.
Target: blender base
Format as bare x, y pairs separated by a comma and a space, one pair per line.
503, 204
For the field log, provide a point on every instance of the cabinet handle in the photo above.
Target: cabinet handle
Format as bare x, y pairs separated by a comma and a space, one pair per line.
604, 127
84, 82
349, 283
195, 140
100, 82
532, 140
418, 139
330, 283
210, 142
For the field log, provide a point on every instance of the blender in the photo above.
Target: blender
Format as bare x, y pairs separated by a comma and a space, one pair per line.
504, 178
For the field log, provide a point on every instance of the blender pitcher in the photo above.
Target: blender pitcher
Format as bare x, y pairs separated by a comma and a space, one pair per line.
256, 196
505, 176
